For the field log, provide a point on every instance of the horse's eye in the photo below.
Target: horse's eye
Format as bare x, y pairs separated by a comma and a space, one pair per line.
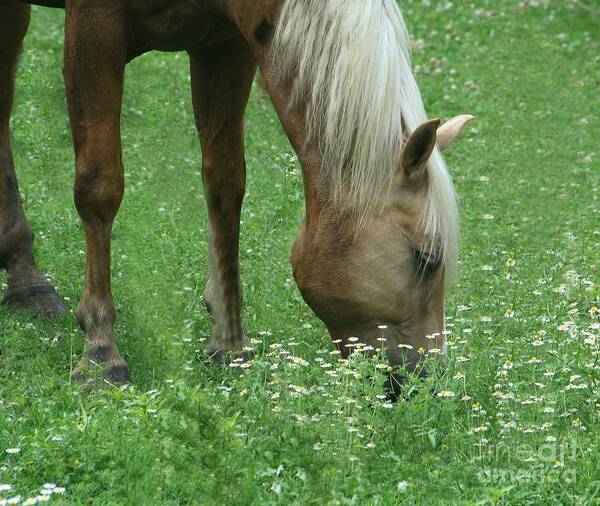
427, 261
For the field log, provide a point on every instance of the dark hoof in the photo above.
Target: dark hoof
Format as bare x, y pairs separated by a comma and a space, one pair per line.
95, 376
225, 357
117, 374
39, 300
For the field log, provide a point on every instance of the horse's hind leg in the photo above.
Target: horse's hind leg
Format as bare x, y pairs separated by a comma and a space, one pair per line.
221, 81
95, 54
27, 287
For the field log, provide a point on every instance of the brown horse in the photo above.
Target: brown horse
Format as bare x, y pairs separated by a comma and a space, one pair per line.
380, 236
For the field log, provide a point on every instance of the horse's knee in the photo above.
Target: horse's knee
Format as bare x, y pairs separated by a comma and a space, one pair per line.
224, 180
16, 242
96, 313
16, 238
98, 190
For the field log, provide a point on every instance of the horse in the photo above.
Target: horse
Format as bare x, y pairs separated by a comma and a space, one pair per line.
379, 242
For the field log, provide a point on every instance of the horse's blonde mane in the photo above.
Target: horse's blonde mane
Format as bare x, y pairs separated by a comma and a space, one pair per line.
349, 61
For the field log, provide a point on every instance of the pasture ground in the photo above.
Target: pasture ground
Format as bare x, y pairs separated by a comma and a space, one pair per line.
515, 420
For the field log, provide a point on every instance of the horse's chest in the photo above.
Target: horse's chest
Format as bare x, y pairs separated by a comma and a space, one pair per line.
176, 25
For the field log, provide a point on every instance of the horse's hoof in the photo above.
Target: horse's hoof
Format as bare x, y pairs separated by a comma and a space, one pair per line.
39, 300
226, 357
94, 376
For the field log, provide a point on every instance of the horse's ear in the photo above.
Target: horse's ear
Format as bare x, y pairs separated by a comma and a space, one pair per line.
418, 149
450, 130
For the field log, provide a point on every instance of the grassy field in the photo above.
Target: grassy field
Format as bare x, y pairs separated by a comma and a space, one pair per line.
515, 420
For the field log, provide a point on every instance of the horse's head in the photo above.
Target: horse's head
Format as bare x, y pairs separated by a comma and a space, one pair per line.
385, 279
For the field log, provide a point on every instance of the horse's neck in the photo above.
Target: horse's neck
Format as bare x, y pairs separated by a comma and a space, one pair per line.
293, 122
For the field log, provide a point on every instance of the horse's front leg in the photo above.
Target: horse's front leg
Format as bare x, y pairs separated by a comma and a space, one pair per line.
221, 81
95, 57
27, 287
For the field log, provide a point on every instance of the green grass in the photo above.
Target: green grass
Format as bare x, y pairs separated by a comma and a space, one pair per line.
522, 425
